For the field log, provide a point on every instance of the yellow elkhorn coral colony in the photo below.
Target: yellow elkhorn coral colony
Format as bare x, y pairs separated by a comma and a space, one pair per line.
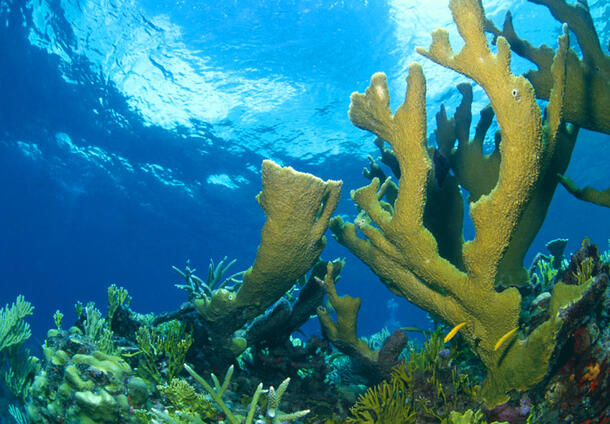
403, 250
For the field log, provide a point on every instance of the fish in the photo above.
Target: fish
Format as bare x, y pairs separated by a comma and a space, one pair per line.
504, 338
453, 332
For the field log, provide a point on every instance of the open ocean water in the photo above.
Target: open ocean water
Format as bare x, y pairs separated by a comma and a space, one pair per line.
132, 134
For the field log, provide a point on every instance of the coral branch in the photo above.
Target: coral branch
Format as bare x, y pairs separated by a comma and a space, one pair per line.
588, 194
588, 79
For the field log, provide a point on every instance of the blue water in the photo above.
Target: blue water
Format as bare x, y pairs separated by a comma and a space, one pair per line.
132, 133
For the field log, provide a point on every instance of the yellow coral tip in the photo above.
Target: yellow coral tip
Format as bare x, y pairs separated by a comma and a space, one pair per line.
453, 332
504, 338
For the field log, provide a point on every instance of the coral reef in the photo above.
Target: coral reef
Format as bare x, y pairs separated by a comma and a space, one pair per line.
167, 343
578, 388
273, 415
79, 383
428, 386
521, 346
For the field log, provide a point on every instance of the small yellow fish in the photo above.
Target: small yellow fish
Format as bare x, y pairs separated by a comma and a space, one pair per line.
505, 338
586, 241
453, 332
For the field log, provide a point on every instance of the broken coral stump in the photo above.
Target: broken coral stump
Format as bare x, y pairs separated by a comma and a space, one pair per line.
298, 207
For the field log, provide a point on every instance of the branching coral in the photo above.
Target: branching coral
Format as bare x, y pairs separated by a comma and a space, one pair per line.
118, 297
168, 343
387, 403
17, 367
342, 332
426, 387
14, 331
405, 253
273, 414
587, 78
197, 288
187, 406
587, 193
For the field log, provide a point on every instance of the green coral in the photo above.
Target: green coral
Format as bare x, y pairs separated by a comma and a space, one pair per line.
57, 318
91, 319
387, 403
546, 272
183, 397
428, 359
468, 417
167, 342
96, 328
118, 297
14, 331
425, 387
186, 406
273, 414
584, 270
197, 288
80, 384
17, 366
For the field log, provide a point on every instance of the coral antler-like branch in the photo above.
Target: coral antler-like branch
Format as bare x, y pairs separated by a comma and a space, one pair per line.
400, 248
588, 79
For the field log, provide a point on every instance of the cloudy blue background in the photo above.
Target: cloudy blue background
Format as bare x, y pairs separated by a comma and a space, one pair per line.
132, 133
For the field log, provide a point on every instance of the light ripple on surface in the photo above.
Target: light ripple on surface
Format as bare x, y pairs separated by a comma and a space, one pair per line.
266, 78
